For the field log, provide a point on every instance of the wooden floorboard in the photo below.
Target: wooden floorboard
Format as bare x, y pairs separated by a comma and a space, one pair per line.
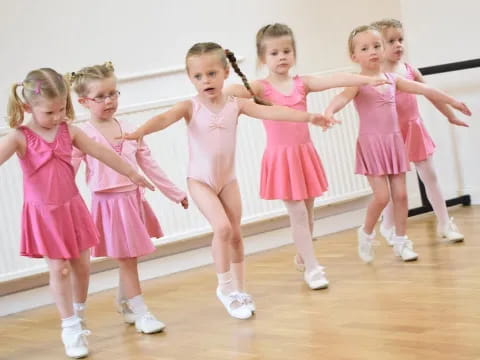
429, 309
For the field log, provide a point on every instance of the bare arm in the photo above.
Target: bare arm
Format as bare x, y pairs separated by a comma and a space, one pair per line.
107, 156
432, 94
162, 121
241, 91
320, 83
9, 145
442, 107
340, 101
275, 112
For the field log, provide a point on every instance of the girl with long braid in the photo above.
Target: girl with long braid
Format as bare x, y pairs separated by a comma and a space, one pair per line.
211, 119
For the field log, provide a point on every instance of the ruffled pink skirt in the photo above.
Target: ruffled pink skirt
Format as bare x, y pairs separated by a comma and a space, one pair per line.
57, 231
292, 172
381, 154
126, 224
419, 144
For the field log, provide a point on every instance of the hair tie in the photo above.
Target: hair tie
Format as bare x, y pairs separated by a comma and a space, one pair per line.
38, 88
20, 84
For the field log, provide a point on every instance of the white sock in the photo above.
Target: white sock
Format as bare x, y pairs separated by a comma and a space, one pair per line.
71, 323
238, 270
225, 282
137, 305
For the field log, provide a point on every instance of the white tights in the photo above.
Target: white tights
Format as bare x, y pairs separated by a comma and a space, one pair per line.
427, 173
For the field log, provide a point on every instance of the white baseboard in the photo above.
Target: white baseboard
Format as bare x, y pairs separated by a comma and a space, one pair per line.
332, 222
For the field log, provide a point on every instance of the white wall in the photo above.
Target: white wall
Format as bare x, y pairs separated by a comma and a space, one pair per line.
145, 35
440, 32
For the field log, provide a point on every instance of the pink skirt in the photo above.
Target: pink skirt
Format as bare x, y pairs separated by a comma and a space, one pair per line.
126, 224
57, 231
419, 144
381, 154
292, 172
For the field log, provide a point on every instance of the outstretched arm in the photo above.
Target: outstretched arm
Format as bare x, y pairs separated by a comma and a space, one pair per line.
280, 113
107, 156
9, 145
242, 92
442, 107
430, 93
162, 121
157, 175
340, 101
320, 83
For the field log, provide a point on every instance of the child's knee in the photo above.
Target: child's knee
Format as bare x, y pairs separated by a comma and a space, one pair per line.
61, 268
223, 231
236, 239
381, 198
399, 197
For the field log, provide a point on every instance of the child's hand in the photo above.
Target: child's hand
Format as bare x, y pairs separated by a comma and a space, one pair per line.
138, 179
323, 121
136, 135
184, 203
460, 106
458, 122
378, 81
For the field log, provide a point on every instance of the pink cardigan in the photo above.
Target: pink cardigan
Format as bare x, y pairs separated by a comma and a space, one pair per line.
100, 177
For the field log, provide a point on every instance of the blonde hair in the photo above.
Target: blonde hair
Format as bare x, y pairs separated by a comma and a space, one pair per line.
355, 32
44, 83
385, 24
80, 79
273, 31
225, 57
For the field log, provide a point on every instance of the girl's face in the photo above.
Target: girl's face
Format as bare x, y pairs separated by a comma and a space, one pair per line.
47, 113
102, 98
207, 73
368, 49
278, 54
393, 38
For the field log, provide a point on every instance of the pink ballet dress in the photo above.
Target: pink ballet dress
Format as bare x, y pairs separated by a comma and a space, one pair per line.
55, 220
380, 146
124, 219
417, 140
211, 142
291, 167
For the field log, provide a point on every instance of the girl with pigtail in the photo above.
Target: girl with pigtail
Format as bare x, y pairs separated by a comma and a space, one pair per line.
56, 224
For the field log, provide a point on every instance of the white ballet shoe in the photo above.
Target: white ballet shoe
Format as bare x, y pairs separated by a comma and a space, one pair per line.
234, 305
316, 279
449, 232
403, 248
75, 342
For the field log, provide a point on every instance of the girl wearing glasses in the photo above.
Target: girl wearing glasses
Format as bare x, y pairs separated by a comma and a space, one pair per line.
125, 221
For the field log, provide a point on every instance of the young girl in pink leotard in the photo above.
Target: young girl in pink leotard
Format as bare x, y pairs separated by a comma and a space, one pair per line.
291, 168
56, 224
211, 119
420, 146
381, 153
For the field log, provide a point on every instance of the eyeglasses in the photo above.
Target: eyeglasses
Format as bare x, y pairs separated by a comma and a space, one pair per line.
101, 99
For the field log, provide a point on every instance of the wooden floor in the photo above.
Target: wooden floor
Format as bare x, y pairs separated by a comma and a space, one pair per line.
428, 309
